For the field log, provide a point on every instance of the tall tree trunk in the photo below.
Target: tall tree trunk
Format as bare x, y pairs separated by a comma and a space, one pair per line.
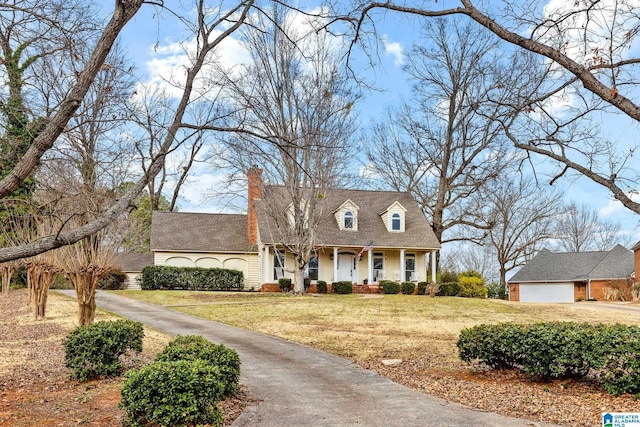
298, 275
85, 283
7, 273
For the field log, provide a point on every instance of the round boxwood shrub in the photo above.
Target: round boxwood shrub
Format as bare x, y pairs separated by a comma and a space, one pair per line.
94, 350
389, 287
407, 288
284, 284
422, 287
449, 289
343, 287
178, 393
321, 286
196, 347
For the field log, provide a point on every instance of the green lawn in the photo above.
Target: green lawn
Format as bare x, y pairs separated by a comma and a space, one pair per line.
368, 328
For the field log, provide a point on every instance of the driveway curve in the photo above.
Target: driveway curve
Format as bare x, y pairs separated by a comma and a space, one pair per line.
299, 386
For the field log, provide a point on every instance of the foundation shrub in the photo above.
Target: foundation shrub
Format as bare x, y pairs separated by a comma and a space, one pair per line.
284, 284
407, 288
94, 350
176, 393
112, 280
422, 288
389, 287
156, 277
321, 286
196, 347
342, 287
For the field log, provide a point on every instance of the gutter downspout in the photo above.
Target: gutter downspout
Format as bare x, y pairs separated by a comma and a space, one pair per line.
588, 289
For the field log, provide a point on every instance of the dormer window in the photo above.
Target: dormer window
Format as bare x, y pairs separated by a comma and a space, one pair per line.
348, 220
395, 222
347, 216
394, 218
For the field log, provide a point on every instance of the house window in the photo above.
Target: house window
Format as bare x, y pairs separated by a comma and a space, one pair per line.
395, 222
410, 267
378, 266
348, 220
278, 265
312, 268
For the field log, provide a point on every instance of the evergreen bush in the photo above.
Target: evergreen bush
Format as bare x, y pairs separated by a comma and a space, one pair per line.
449, 289
284, 284
176, 393
342, 287
94, 350
321, 286
389, 287
422, 288
407, 288
191, 278
196, 347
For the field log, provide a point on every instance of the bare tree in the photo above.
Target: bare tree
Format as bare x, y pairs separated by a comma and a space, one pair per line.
584, 47
295, 111
210, 28
523, 216
580, 229
446, 144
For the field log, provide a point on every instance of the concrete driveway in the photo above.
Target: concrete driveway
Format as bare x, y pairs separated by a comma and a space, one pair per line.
298, 386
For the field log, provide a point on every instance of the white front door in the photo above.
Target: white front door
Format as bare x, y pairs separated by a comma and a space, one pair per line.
345, 267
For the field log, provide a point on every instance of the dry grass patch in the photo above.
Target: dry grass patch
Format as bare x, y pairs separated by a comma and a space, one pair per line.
35, 385
421, 331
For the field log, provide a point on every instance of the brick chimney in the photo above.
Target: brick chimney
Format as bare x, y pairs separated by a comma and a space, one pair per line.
254, 178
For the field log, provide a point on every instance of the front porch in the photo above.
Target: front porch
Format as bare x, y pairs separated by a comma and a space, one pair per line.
345, 264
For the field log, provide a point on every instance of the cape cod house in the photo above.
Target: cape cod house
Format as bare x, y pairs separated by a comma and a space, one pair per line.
390, 224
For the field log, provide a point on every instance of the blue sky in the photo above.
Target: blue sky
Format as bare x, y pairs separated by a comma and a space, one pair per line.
150, 39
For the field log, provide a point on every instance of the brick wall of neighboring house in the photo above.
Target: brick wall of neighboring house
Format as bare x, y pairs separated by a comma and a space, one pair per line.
514, 292
598, 288
580, 291
254, 178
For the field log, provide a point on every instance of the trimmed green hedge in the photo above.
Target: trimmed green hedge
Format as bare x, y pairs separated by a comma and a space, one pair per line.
284, 284
321, 287
343, 287
389, 287
449, 289
191, 278
196, 347
407, 288
559, 350
422, 288
177, 393
94, 350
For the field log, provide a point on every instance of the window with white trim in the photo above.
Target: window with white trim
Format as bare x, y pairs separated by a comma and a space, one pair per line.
348, 220
395, 222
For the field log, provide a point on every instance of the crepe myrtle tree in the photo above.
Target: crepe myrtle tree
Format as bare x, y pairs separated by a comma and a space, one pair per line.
294, 107
584, 49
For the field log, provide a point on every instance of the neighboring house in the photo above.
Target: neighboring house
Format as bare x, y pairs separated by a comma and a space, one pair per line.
132, 265
571, 276
402, 239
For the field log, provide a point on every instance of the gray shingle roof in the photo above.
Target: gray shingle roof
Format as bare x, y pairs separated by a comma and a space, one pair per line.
130, 263
199, 232
549, 266
418, 233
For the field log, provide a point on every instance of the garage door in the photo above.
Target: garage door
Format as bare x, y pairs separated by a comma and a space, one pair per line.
555, 292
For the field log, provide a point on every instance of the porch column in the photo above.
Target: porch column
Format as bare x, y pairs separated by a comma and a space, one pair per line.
265, 272
433, 265
335, 264
370, 267
402, 266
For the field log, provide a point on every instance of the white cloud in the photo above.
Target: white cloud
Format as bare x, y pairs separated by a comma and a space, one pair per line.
395, 50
